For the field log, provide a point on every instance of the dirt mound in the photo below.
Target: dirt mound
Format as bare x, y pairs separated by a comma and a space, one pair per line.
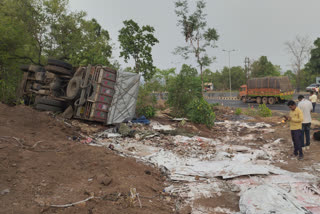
40, 165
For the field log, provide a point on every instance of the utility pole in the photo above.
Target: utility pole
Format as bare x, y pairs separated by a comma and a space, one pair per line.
247, 67
229, 51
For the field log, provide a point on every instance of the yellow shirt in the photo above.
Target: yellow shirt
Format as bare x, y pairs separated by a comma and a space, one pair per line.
313, 98
296, 119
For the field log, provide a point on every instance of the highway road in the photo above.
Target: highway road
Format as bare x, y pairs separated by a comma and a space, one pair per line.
239, 104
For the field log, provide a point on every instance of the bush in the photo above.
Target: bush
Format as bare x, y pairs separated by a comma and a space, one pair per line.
147, 111
200, 111
145, 103
264, 111
10, 78
238, 111
250, 111
214, 104
182, 89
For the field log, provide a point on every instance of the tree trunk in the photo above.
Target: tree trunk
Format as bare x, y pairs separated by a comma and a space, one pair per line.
298, 80
202, 88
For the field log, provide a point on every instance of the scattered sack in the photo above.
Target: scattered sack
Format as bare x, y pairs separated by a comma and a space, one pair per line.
126, 131
142, 120
316, 136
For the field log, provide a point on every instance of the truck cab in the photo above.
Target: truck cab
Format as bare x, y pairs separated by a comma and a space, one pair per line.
243, 91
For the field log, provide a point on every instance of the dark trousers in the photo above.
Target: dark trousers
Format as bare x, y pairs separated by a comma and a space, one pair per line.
296, 138
314, 107
305, 132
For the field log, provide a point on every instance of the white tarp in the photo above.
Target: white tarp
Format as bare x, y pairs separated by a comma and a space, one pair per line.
125, 98
270, 199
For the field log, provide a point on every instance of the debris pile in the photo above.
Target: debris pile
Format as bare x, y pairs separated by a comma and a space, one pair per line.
198, 167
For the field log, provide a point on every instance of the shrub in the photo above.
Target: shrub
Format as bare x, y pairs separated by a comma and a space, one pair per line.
200, 111
147, 111
264, 111
183, 88
250, 111
214, 104
238, 111
145, 103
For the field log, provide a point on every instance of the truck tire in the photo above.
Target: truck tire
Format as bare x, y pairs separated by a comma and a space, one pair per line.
36, 68
265, 100
59, 63
58, 70
73, 88
259, 100
45, 107
51, 102
271, 100
244, 99
24, 68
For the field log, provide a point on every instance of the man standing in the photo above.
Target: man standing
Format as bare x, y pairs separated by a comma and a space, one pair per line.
306, 107
295, 117
313, 98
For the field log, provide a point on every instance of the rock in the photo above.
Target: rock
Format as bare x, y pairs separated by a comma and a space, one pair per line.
164, 171
111, 146
5, 191
147, 172
104, 180
68, 113
126, 131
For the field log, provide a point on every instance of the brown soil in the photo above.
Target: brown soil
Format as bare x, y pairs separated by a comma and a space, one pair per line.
41, 166
228, 200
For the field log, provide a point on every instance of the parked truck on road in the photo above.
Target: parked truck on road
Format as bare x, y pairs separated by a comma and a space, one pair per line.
266, 90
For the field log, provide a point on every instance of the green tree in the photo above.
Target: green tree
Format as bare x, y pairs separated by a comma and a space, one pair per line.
183, 88
314, 63
208, 76
94, 47
292, 77
238, 78
137, 42
264, 68
163, 76
17, 44
32, 30
73, 38
196, 33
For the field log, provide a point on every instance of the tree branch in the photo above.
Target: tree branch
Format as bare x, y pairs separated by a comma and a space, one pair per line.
24, 57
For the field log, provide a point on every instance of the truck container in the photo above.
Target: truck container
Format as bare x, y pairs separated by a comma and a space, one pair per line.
266, 90
93, 93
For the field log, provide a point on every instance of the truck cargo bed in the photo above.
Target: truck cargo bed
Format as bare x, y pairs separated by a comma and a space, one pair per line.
280, 83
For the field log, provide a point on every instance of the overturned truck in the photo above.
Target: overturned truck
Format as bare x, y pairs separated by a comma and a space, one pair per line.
94, 93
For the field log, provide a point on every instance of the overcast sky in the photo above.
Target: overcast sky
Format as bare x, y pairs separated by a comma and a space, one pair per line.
252, 27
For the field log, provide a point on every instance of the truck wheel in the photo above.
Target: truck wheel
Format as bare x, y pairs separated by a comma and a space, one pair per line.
73, 88
24, 68
271, 100
45, 107
51, 102
259, 100
265, 100
244, 99
36, 68
60, 63
58, 70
